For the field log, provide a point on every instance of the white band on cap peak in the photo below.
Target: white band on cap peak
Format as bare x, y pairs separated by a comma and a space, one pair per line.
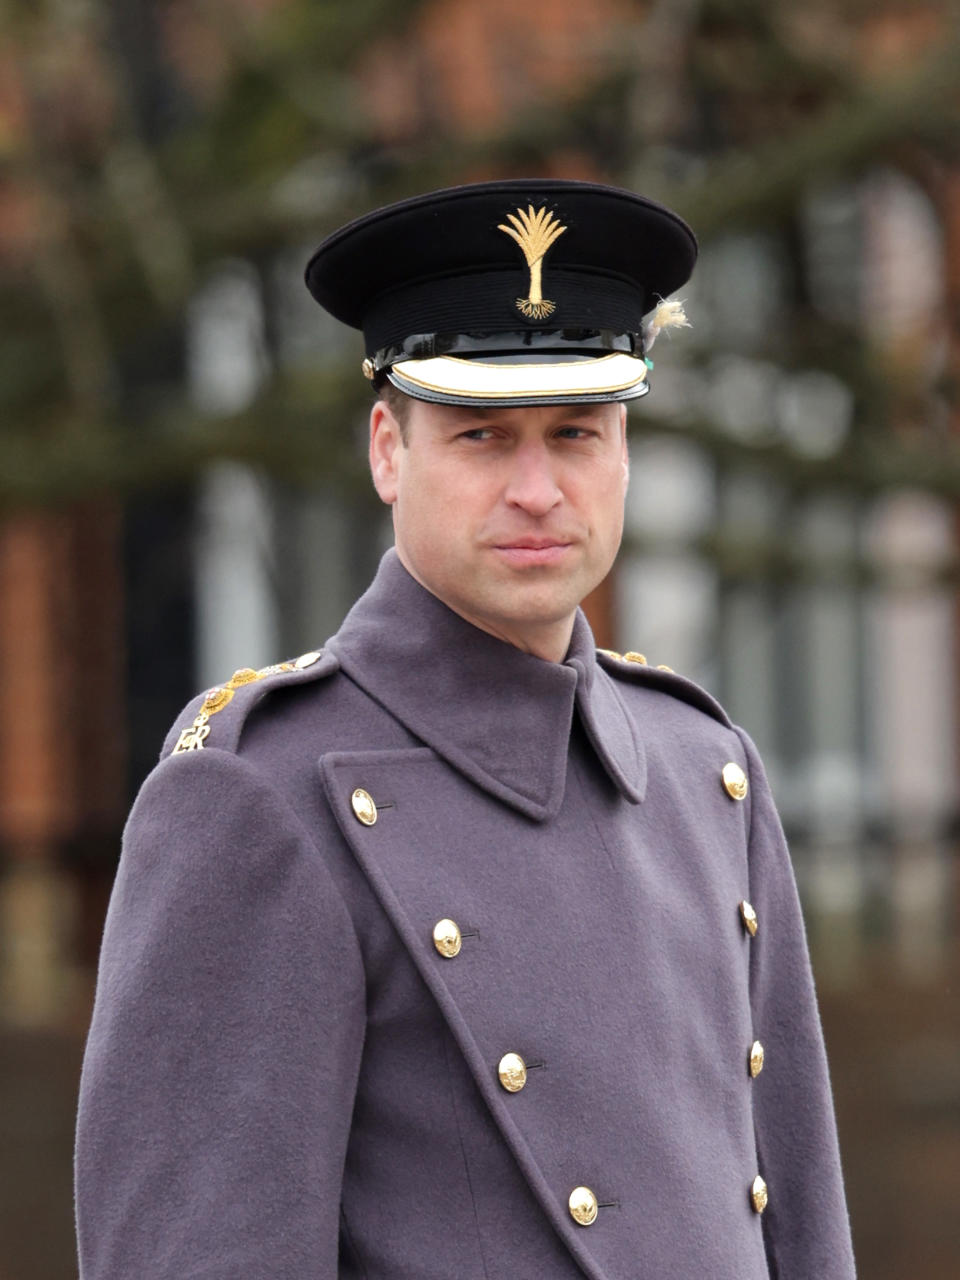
606, 375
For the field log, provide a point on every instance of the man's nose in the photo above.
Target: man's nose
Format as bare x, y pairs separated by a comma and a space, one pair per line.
532, 483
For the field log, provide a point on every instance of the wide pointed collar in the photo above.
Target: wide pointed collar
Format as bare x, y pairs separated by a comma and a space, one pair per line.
500, 716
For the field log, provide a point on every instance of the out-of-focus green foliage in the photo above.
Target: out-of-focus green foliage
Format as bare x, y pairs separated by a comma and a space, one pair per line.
142, 144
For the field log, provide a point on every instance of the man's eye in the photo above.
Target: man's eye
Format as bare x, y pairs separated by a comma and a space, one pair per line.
476, 433
573, 433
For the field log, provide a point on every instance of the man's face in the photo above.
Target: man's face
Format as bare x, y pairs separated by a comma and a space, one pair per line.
510, 516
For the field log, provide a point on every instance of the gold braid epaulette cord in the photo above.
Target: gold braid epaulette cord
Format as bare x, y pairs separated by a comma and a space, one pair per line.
638, 658
193, 737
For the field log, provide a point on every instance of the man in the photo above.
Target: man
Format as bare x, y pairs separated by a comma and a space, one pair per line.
455, 949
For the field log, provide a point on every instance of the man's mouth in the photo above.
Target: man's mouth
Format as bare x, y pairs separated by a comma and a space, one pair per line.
532, 551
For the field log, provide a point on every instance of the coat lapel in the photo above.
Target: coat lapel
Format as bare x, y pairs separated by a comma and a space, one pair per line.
499, 716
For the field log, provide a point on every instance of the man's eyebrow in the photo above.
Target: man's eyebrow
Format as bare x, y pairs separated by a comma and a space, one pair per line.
485, 414
587, 411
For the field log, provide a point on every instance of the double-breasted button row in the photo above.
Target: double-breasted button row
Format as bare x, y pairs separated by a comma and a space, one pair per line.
447, 936
755, 1055
736, 785
512, 1071
751, 924
582, 1202
512, 1075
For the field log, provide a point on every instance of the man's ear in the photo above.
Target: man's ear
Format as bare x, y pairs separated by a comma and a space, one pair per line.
384, 443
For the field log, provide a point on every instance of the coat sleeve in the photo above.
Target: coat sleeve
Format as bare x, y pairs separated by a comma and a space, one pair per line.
806, 1228
222, 1059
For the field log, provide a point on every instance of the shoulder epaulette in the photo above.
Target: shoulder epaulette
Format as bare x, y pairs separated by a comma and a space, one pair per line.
233, 701
635, 668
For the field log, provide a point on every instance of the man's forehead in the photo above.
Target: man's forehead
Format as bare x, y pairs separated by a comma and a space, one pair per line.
445, 413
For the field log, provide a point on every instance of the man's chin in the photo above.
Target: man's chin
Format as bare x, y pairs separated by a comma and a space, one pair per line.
536, 607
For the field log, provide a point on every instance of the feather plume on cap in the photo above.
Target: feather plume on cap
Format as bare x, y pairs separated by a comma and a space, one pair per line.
668, 315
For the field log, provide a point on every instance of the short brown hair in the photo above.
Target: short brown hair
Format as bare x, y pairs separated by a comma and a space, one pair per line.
398, 402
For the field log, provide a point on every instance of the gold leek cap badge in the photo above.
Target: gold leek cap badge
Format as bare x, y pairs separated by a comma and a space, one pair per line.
534, 232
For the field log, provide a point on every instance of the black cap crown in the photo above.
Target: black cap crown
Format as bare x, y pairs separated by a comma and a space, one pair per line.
516, 292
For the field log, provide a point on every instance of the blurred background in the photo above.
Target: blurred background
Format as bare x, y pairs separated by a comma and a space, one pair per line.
183, 487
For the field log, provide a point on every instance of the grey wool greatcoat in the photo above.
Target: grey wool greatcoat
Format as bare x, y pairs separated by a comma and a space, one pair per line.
286, 1078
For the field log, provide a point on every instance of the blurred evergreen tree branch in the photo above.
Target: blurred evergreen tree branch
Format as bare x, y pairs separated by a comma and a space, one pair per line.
130, 205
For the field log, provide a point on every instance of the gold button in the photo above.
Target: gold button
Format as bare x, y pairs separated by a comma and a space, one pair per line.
447, 938
734, 781
662, 666
246, 675
512, 1071
756, 1059
367, 369
583, 1206
363, 807
635, 657
758, 1194
216, 700
749, 918
275, 669
308, 659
